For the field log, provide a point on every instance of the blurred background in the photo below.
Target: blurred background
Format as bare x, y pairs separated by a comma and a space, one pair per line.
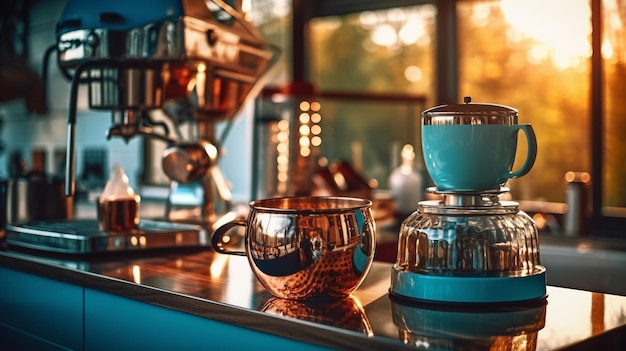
373, 66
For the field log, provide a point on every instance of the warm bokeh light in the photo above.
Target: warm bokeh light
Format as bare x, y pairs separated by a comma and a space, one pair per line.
304, 117
316, 118
613, 28
413, 73
582, 177
304, 141
316, 129
412, 31
305, 152
282, 158
315, 106
304, 105
282, 148
562, 38
384, 35
304, 129
398, 26
316, 141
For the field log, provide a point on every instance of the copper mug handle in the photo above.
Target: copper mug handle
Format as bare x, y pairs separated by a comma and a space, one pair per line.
218, 234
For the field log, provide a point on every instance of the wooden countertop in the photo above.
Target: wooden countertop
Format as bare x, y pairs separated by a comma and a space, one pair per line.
222, 287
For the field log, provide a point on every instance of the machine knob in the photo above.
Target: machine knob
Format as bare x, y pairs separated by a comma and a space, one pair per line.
188, 162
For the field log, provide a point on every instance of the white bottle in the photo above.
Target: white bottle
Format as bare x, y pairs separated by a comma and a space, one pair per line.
405, 183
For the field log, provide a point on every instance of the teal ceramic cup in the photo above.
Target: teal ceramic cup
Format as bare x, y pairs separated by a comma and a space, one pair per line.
473, 147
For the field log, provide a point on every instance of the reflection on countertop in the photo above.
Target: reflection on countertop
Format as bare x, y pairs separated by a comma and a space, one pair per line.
222, 287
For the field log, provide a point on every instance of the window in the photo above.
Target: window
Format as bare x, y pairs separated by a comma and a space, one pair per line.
512, 54
545, 64
388, 53
614, 87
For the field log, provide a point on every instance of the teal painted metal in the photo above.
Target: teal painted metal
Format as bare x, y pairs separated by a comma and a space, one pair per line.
117, 323
38, 313
47, 308
12, 339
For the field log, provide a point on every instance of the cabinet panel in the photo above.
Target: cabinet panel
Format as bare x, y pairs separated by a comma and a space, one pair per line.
47, 308
15, 340
116, 323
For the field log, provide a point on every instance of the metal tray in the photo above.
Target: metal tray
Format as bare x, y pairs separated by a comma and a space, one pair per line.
83, 236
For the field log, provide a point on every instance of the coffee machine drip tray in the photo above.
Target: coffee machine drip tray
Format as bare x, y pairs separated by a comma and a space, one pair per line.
83, 236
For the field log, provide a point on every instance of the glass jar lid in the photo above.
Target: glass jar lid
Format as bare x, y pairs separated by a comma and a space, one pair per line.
469, 113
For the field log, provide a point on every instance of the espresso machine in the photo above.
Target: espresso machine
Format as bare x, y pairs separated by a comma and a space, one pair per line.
194, 60
470, 246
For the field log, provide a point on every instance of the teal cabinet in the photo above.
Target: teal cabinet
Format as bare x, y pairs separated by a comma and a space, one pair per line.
12, 339
117, 323
40, 312
37, 313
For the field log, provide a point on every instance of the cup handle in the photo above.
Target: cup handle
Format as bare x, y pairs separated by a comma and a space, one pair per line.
218, 234
532, 151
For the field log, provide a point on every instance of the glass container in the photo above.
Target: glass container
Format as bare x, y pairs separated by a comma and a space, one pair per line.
469, 247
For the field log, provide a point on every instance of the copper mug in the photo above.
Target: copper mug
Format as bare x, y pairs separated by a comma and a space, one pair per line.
306, 247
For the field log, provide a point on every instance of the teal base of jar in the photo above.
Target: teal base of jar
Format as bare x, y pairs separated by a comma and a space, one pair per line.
468, 290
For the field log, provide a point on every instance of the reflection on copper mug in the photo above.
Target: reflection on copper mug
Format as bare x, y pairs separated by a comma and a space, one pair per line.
306, 247
346, 313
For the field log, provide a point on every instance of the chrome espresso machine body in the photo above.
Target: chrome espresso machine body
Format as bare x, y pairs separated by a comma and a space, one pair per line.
195, 60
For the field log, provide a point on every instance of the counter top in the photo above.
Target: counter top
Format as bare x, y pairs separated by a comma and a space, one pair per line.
222, 287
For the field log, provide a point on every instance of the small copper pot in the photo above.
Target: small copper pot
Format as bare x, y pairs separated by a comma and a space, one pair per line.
306, 247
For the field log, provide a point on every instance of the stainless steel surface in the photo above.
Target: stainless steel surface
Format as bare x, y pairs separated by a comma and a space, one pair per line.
465, 199
84, 237
193, 169
196, 60
470, 113
189, 161
306, 247
35, 199
578, 203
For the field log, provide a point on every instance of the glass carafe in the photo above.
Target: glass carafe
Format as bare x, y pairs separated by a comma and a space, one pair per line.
469, 247
483, 238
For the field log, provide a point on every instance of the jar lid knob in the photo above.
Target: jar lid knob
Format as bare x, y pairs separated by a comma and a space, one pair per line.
467, 99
